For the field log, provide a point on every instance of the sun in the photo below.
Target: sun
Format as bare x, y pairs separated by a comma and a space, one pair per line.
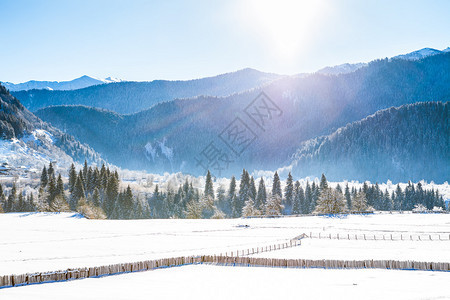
286, 25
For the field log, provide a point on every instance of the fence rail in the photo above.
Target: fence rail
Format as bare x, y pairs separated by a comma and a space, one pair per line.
380, 237
327, 263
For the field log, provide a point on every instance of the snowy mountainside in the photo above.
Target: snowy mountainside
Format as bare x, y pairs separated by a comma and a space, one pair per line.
27, 142
341, 69
78, 83
419, 54
383, 146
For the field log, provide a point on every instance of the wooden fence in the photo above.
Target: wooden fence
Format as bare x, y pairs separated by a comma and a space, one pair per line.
327, 263
235, 258
79, 273
292, 243
380, 237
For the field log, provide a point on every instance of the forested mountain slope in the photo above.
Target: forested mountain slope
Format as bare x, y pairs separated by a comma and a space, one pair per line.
26, 139
410, 142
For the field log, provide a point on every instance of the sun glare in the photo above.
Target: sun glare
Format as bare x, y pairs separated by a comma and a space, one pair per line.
286, 25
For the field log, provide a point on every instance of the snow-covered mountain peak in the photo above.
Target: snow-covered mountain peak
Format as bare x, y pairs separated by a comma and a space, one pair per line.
419, 54
77, 83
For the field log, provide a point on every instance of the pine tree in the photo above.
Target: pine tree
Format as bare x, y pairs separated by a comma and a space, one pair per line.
193, 210
60, 186
77, 194
44, 177
323, 182
51, 172
72, 178
249, 209
20, 203
112, 191
11, 200
330, 202
96, 197
222, 204
308, 199
252, 189
348, 197
276, 186
288, 195
2, 200
398, 201
233, 199
274, 207
243, 193
209, 187
261, 196
360, 203
127, 204
85, 170
296, 203
51, 188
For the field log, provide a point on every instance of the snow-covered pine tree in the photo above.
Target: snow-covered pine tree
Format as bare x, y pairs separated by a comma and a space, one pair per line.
359, 203
323, 182
274, 207
193, 210
252, 189
296, 202
330, 202
249, 209
308, 199
348, 197
232, 198
276, 186
51, 172
244, 190
77, 194
44, 177
209, 187
72, 177
288, 195
261, 196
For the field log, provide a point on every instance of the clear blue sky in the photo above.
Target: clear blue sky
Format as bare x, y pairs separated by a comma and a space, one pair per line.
146, 40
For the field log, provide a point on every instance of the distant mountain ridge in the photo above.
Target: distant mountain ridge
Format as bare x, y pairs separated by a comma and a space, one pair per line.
25, 140
397, 144
78, 83
422, 53
170, 135
131, 97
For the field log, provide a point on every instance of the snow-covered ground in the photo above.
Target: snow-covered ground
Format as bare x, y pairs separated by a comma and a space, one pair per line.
46, 242
215, 282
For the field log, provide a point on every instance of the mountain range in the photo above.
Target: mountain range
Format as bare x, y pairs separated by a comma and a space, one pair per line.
78, 83
28, 143
173, 135
131, 97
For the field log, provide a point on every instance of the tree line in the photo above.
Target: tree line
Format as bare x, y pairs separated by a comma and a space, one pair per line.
95, 192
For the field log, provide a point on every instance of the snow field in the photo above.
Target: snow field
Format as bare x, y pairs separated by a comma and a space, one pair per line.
43, 242
215, 282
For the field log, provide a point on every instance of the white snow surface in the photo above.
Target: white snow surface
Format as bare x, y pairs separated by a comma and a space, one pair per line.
219, 282
39, 242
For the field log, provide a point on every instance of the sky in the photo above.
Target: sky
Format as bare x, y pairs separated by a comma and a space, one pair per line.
147, 40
